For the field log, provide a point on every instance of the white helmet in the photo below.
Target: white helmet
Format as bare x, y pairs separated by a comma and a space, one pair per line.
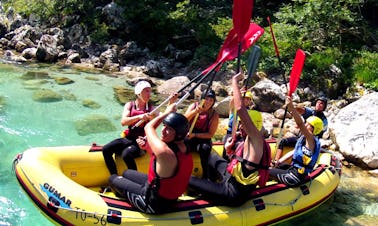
140, 86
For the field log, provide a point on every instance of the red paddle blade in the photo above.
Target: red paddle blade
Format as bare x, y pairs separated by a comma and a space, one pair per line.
241, 16
229, 50
296, 70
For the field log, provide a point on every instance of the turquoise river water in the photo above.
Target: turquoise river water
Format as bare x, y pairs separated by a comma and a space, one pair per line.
25, 123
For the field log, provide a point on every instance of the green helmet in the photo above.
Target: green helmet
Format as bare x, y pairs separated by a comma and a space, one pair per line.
179, 123
317, 123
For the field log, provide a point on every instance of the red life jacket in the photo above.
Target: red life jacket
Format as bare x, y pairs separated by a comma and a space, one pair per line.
262, 167
172, 187
134, 132
203, 121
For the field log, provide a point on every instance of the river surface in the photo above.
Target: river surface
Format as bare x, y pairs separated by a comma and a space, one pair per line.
25, 123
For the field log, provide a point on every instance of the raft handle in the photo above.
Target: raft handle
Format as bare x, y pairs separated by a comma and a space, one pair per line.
114, 216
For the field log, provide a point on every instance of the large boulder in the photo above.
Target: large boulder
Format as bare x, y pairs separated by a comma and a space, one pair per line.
355, 131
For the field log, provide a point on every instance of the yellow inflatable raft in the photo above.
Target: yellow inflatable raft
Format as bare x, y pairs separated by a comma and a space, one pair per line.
68, 184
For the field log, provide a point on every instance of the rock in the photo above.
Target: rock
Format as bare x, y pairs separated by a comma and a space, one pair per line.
47, 50
63, 80
223, 107
91, 104
34, 84
73, 58
46, 95
94, 124
122, 94
29, 53
172, 85
355, 131
68, 96
35, 75
268, 96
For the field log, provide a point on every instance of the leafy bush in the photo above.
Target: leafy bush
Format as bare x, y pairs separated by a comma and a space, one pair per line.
100, 33
365, 69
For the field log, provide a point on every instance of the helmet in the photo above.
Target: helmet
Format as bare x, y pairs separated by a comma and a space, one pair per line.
324, 99
210, 94
140, 86
179, 123
248, 94
256, 118
317, 123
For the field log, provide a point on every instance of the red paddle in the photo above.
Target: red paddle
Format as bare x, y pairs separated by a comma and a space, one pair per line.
296, 70
241, 17
229, 51
294, 79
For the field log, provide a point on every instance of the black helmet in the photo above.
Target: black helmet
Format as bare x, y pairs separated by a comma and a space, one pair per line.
179, 123
210, 94
324, 99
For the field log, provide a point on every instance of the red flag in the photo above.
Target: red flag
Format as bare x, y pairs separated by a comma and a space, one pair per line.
229, 50
241, 16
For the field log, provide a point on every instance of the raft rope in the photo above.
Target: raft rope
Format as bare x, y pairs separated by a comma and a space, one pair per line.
139, 218
289, 203
295, 200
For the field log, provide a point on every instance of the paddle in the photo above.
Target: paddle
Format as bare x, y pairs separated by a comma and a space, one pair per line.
229, 51
203, 96
283, 76
241, 17
253, 59
253, 33
230, 47
295, 74
204, 75
277, 52
300, 57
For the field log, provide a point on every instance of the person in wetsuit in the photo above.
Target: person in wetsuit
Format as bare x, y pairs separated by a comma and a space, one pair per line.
170, 166
133, 112
204, 129
248, 166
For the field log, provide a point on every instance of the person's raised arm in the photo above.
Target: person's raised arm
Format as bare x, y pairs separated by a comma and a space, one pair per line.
301, 124
242, 111
156, 144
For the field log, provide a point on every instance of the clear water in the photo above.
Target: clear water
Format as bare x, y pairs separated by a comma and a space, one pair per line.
25, 123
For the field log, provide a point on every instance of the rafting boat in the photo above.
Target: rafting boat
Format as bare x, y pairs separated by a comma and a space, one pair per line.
69, 185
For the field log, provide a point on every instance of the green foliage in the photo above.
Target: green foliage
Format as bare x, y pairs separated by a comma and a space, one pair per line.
100, 33
365, 69
42, 8
328, 31
47, 9
331, 32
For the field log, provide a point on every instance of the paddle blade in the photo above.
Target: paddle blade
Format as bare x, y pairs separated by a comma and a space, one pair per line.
253, 59
229, 50
296, 71
241, 16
